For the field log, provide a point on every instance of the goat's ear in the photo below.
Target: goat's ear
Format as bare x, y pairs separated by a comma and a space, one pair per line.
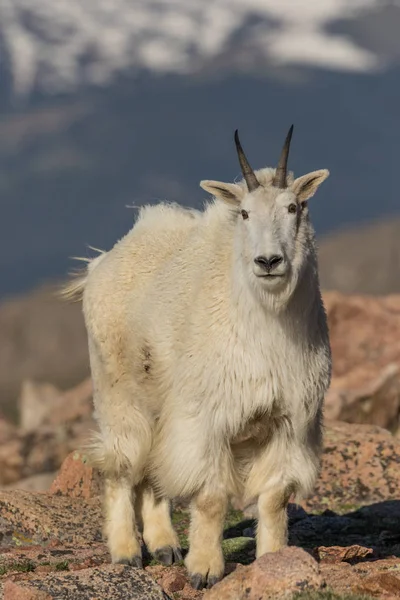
228, 192
304, 187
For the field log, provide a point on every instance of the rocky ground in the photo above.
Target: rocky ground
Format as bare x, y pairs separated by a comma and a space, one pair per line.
344, 540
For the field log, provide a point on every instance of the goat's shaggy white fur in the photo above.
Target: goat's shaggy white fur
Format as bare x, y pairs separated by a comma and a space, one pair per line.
203, 386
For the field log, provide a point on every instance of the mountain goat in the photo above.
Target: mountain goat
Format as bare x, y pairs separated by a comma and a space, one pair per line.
210, 359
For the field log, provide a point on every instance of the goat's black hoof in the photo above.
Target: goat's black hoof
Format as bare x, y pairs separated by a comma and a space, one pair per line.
168, 555
213, 580
135, 561
197, 581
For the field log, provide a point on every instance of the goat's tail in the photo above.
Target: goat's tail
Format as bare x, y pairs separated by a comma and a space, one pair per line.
73, 289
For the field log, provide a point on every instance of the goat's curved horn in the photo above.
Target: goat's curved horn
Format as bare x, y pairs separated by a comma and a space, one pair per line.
248, 173
279, 180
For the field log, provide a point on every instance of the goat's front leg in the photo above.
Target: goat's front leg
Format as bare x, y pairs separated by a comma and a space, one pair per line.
120, 526
205, 561
272, 529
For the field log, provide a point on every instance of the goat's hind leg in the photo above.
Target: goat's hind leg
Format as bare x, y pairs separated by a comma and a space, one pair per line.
158, 533
120, 526
122, 447
272, 528
120, 452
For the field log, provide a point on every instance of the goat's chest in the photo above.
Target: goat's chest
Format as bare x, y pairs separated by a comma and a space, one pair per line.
246, 379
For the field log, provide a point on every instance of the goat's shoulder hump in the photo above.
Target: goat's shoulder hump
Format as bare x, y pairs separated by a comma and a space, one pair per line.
166, 215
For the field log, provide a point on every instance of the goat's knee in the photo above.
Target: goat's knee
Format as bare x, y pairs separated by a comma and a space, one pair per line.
205, 561
158, 533
119, 525
272, 528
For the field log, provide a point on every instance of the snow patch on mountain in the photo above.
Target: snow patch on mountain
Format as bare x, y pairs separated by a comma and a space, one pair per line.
58, 45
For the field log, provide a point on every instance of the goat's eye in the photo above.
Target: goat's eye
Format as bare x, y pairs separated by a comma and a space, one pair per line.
292, 208
244, 214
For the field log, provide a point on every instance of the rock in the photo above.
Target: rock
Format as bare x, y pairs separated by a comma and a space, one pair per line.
366, 367
353, 325
360, 465
337, 554
76, 478
35, 402
174, 581
31, 519
7, 430
55, 557
12, 461
75, 404
274, 575
43, 339
44, 534
366, 396
34, 483
118, 582
376, 578
43, 450
43, 404
379, 584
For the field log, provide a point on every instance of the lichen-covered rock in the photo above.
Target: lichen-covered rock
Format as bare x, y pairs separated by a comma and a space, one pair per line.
360, 465
275, 575
39, 518
54, 556
116, 582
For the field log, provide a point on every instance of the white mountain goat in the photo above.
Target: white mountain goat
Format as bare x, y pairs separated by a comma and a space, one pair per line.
210, 359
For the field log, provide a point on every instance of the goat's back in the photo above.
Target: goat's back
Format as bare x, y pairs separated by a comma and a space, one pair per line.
120, 280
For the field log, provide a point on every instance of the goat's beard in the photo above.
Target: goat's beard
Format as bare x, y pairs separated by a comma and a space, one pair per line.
274, 294
274, 298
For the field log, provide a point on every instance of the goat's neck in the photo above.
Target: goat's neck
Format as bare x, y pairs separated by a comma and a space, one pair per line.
291, 314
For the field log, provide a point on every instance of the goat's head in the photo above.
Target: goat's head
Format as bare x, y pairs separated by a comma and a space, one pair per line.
274, 233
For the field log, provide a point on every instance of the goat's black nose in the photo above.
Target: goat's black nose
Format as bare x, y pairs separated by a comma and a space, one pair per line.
268, 264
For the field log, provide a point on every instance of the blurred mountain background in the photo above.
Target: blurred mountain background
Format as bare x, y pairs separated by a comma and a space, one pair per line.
107, 105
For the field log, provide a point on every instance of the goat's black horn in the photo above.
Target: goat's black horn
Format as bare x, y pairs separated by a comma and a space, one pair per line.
248, 173
279, 180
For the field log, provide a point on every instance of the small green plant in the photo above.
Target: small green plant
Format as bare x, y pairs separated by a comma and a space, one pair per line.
62, 566
24, 567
